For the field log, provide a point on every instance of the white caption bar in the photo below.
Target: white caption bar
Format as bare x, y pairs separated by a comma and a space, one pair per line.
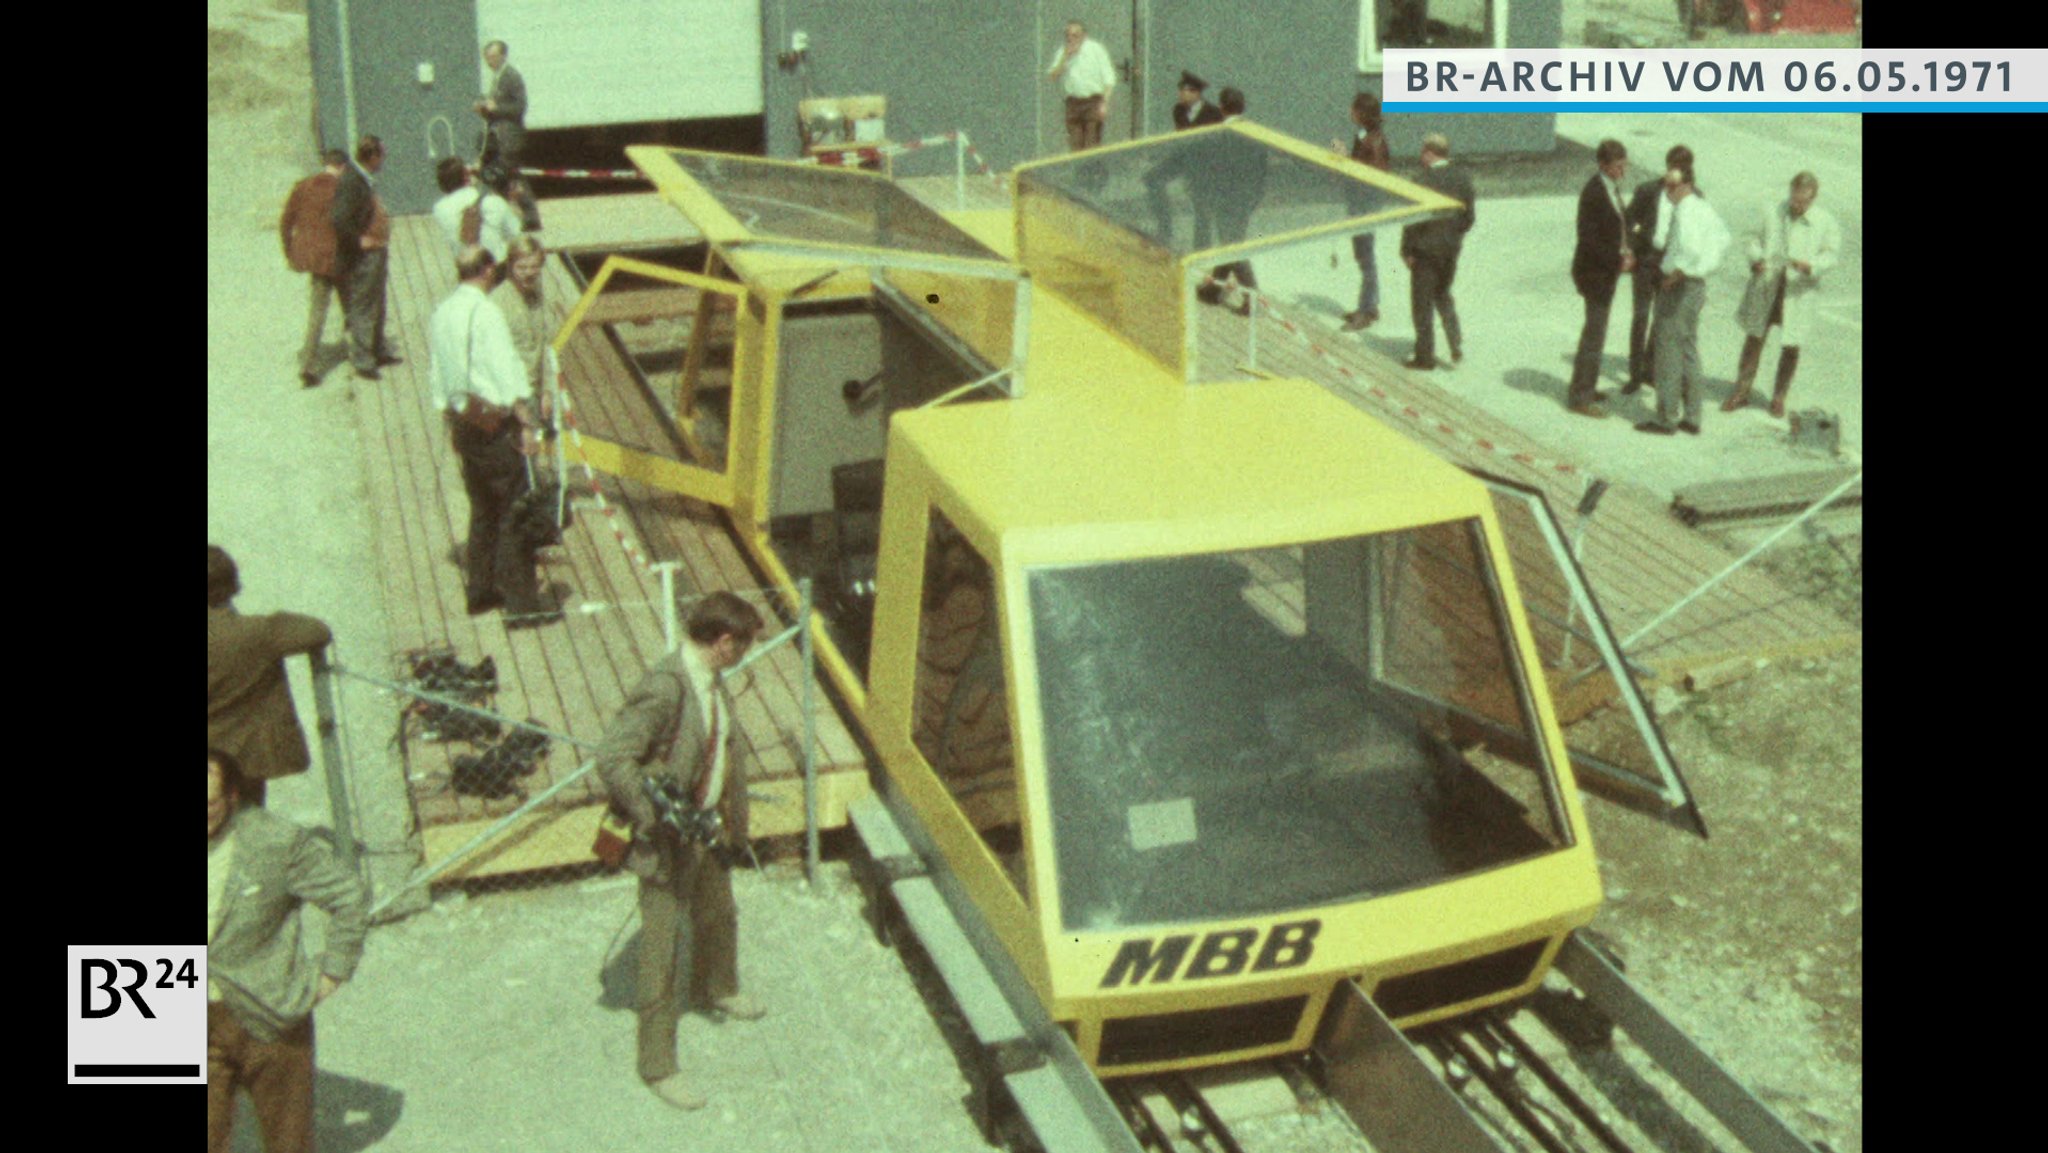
1685, 79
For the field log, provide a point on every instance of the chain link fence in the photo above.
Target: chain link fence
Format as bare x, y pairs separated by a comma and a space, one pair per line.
474, 795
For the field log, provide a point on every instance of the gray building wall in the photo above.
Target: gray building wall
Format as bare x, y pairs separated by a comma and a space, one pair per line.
388, 40
1297, 62
966, 64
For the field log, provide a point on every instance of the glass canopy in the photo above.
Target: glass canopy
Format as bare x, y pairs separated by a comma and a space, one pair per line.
1125, 233
811, 204
1195, 191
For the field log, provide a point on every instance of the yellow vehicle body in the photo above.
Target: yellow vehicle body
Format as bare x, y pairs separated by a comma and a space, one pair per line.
1109, 467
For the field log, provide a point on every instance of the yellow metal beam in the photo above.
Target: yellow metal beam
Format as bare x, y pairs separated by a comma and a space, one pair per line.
658, 471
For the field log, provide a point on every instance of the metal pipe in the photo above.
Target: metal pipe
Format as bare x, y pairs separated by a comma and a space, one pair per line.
1630, 640
463, 706
471, 845
332, 765
805, 644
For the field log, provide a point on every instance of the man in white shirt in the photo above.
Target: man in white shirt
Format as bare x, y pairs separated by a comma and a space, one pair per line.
1088, 78
485, 395
1694, 243
1797, 244
675, 731
498, 223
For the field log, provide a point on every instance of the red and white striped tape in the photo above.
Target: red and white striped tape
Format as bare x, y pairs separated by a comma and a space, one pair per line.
1420, 417
611, 514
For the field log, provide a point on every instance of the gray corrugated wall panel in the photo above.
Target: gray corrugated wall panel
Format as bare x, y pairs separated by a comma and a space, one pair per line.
389, 39
1295, 60
965, 64
323, 46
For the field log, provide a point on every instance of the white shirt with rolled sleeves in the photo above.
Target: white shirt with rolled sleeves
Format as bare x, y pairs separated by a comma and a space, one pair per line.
1089, 74
473, 353
1699, 238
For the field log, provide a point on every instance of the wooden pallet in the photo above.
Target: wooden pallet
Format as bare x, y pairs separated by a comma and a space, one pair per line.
570, 677
1764, 497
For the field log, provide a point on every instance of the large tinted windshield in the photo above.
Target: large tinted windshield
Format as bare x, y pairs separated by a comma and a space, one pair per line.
1238, 734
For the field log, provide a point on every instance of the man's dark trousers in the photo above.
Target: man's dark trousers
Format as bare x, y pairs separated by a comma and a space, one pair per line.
694, 890
1592, 344
362, 283
278, 1075
1430, 293
1643, 284
499, 564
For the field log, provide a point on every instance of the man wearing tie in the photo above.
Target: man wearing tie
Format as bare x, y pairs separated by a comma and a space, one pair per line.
676, 729
1599, 260
503, 108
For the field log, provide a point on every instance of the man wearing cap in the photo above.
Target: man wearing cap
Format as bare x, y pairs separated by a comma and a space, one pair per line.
1086, 75
1191, 111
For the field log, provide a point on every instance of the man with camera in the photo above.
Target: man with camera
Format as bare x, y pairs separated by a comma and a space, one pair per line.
486, 396
668, 764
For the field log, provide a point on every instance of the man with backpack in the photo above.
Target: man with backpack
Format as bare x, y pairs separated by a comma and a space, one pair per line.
472, 212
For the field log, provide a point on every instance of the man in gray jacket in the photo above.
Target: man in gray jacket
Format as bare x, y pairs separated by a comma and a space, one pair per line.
503, 108
676, 728
261, 871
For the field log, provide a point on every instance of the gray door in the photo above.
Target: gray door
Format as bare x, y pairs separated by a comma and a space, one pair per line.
1111, 22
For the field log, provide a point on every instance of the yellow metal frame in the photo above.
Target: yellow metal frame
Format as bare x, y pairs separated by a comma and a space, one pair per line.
1125, 426
693, 480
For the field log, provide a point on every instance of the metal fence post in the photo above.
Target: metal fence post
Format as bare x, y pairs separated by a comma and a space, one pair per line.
332, 764
804, 645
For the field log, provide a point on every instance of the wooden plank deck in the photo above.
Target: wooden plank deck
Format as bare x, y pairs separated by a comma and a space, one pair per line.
1637, 556
572, 676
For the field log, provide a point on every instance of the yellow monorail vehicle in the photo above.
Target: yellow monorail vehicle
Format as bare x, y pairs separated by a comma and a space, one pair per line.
1211, 693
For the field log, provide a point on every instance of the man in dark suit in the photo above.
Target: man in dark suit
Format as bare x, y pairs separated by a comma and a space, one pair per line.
261, 988
677, 729
1598, 261
1430, 250
503, 108
1649, 219
249, 710
1190, 112
362, 250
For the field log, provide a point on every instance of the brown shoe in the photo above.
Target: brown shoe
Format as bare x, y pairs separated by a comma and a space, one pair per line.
1360, 321
1737, 402
673, 1090
1592, 410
